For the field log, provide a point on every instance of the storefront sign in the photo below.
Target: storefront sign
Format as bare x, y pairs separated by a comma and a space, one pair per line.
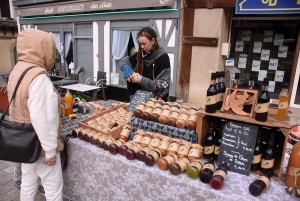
90, 6
267, 6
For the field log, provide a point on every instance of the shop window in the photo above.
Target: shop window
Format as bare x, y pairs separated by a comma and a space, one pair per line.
265, 49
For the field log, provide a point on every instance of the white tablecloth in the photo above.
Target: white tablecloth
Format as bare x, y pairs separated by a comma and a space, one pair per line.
95, 174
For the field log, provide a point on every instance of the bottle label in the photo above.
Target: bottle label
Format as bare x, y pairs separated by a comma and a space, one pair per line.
293, 171
140, 107
194, 152
193, 111
183, 164
218, 97
146, 139
125, 132
119, 142
136, 148
256, 159
155, 154
165, 113
265, 179
108, 141
210, 100
192, 117
67, 106
148, 110
173, 146
137, 138
129, 144
174, 114
157, 110
209, 166
164, 144
283, 105
151, 103
267, 163
155, 142
262, 107
221, 96
197, 164
183, 149
171, 158
221, 173
146, 149
217, 150
208, 149
183, 116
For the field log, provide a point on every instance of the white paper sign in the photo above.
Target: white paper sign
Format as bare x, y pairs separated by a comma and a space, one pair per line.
271, 86
229, 62
265, 55
273, 64
262, 74
278, 40
242, 62
279, 75
256, 65
257, 47
239, 46
282, 51
268, 36
114, 78
246, 35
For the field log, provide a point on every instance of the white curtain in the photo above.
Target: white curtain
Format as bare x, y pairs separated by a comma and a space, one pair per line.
136, 43
68, 38
57, 41
119, 46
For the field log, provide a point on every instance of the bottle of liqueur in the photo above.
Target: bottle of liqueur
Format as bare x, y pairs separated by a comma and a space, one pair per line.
218, 141
263, 181
283, 102
292, 177
262, 107
222, 86
207, 171
268, 156
211, 96
257, 153
209, 143
248, 106
236, 83
218, 87
219, 176
194, 169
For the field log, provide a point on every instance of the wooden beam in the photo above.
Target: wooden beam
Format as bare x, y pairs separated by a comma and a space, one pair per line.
200, 41
209, 3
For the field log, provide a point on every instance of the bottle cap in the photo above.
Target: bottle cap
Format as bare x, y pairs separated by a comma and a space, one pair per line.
237, 76
218, 74
266, 82
222, 73
285, 85
213, 76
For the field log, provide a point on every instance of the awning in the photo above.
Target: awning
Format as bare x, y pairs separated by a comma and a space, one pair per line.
91, 6
267, 7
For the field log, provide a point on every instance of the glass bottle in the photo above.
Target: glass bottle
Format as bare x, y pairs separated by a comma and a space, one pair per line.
107, 142
257, 153
139, 109
155, 142
68, 103
123, 148
195, 152
100, 139
114, 147
218, 177
164, 144
236, 83
183, 117
157, 110
283, 102
140, 155
184, 148
262, 182
173, 117
194, 169
222, 86
165, 162
218, 88
125, 132
152, 157
207, 171
263, 102
292, 177
146, 139
179, 166
131, 153
211, 96
248, 106
163, 118
218, 141
268, 156
147, 112
191, 121
174, 146
209, 143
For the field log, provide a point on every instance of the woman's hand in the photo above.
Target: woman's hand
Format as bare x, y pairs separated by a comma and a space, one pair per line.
136, 78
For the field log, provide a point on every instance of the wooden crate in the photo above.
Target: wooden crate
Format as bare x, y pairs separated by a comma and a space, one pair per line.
115, 133
203, 119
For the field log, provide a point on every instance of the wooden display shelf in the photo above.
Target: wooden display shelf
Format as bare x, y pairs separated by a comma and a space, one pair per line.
204, 118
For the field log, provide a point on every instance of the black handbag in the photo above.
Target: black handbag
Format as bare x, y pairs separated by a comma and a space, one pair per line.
18, 141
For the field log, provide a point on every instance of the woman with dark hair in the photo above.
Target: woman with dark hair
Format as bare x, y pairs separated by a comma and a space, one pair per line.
149, 64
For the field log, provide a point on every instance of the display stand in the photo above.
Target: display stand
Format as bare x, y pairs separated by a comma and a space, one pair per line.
284, 126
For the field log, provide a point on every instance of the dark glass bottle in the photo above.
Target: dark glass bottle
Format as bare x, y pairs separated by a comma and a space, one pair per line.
207, 171
222, 86
268, 156
219, 176
236, 83
262, 107
257, 186
248, 106
218, 87
218, 141
209, 143
211, 96
257, 152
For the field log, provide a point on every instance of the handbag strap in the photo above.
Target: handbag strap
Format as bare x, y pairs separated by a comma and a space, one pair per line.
15, 91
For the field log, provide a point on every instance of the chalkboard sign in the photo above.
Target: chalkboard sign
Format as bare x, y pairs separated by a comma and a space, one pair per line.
139, 95
237, 146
